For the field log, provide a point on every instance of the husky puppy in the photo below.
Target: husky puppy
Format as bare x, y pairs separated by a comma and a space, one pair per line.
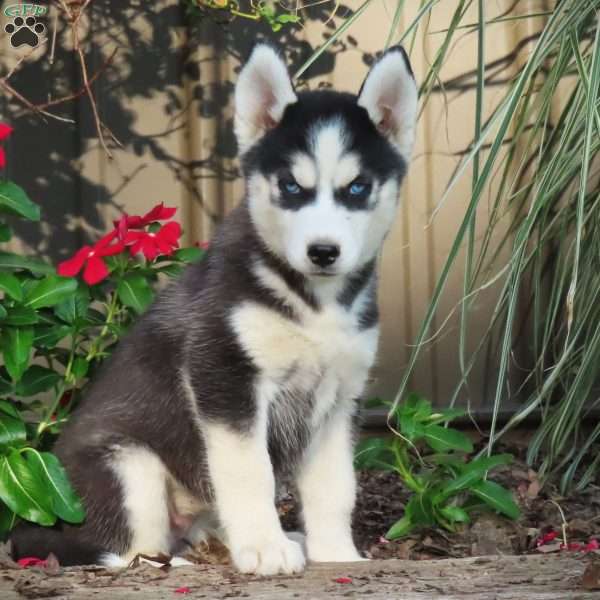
248, 366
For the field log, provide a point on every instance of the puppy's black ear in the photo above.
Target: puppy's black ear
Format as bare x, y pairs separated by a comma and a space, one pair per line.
389, 93
262, 92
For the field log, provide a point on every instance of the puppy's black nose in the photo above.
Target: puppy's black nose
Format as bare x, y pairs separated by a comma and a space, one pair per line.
323, 255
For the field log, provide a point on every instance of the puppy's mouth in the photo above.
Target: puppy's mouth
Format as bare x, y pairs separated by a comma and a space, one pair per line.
324, 273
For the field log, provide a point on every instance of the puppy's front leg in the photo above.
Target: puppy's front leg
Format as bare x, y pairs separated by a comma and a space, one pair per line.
242, 476
327, 487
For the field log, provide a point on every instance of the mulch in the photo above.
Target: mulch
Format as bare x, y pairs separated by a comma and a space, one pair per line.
540, 529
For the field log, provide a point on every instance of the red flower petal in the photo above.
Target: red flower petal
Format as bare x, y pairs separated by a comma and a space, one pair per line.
95, 270
72, 266
2, 158
183, 590
31, 561
134, 236
343, 580
129, 222
170, 232
149, 248
159, 213
592, 545
106, 240
111, 250
165, 247
5, 131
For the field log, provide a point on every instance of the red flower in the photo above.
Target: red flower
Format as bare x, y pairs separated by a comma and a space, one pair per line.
91, 256
546, 538
164, 241
183, 590
343, 580
592, 545
5, 131
159, 213
31, 561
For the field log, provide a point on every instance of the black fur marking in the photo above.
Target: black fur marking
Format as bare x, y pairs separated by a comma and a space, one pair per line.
351, 201
356, 283
274, 152
293, 201
370, 315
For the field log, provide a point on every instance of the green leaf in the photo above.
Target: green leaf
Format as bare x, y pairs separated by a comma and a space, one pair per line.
134, 291
410, 427
9, 409
400, 528
9, 260
80, 367
287, 18
22, 491
3, 312
497, 497
420, 509
74, 307
172, 270
442, 439
11, 285
473, 472
35, 380
21, 315
5, 232
447, 414
7, 520
374, 453
5, 387
16, 346
63, 499
48, 337
455, 514
14, 200
12, 430
50, 291
189, 255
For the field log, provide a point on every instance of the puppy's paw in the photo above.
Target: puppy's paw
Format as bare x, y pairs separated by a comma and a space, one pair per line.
327, 552
269, 557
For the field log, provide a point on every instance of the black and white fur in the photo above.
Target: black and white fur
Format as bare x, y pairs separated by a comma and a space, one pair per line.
248, 367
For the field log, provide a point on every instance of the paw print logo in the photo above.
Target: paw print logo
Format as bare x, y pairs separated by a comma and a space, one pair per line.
25, 31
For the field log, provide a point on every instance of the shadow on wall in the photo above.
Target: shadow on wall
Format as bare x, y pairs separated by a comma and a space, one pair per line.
157, 58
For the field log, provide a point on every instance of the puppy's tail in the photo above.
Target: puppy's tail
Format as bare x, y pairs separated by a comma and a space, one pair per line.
33, 540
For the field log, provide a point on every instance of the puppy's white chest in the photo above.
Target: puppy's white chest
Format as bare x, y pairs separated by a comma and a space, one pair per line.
324, 354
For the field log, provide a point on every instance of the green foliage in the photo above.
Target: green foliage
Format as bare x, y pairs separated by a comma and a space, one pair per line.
431, 459
54, 333
540, 145
275, 14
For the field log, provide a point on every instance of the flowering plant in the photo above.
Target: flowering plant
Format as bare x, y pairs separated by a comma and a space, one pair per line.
57, 325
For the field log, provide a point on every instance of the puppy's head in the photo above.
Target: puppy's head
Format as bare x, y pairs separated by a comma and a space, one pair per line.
323, 169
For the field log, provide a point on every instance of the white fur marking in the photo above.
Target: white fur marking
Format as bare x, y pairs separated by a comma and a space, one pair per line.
327, 509
143, 478
244, 485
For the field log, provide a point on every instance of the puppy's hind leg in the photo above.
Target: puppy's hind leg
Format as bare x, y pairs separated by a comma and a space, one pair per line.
143, 479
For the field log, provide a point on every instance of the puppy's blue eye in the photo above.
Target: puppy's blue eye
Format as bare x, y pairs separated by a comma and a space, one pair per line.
356, 189
291, 187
